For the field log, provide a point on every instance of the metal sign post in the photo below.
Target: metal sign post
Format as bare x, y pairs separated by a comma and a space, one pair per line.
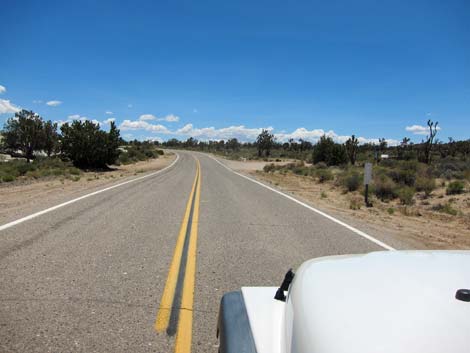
367, 180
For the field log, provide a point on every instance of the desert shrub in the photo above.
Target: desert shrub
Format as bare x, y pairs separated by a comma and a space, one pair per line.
390, 210
138, 151
451, 168
405, 194
35, 174
8, 178
323, 195
351, 181
39, 168
324, 175
160, 152
403, 176
302, 170
124, 158
455, 187
388, 163
425, 184
321, 165
269, 168
384, 187
355, 203
445, 208
74, 171
24, 167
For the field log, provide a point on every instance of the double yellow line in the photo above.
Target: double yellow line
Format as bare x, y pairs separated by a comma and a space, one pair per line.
175, 314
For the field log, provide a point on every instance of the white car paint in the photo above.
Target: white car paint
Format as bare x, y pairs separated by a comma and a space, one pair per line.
266, 316
399, 301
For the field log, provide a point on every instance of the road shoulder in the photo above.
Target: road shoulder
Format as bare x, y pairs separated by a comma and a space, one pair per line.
412, 231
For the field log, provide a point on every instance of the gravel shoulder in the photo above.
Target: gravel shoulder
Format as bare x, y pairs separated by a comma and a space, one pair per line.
415, 226
21, 198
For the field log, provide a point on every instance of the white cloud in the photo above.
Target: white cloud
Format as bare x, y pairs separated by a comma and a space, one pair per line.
53, 103
108, 121
240, 132
419, 129
109, 113
143, 125
169, 118
153, 139
7, 107
147, 117
3, 89
73, 117
303, 133
37, 101
314, 135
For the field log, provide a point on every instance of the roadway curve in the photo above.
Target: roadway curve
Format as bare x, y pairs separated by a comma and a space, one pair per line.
89, 277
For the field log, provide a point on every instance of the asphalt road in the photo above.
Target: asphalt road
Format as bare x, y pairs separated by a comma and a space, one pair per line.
90, 276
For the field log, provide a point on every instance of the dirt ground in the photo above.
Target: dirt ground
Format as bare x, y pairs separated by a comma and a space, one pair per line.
250, 166
416, 226
24, 197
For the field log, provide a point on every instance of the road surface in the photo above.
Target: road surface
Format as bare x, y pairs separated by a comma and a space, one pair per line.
97, 275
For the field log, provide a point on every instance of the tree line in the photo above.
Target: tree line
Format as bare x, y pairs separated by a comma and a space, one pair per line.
82, 142
330, 152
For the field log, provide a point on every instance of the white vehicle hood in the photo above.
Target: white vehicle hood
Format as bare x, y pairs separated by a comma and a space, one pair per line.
400, 302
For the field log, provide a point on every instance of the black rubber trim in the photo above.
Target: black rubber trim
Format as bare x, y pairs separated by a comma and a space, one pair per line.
233, 328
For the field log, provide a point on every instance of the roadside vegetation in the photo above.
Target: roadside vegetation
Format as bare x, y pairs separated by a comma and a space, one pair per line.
404, 175
33, 148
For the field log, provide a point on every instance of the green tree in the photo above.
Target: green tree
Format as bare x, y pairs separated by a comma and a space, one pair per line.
352, 145
233, 145
112, 143
265, 142
88, 146
329, 152
191, 143
25, 132
51, 137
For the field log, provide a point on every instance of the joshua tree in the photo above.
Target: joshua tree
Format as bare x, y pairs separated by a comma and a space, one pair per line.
352, 145
428, 144
265, 142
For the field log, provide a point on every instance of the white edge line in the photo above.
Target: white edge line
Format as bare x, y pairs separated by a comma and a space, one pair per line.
331, 218
37, 214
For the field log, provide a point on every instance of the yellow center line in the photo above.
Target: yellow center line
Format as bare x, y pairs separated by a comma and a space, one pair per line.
185, 323
164, 311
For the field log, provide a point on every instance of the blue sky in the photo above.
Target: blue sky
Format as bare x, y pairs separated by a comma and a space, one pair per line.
220, 69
